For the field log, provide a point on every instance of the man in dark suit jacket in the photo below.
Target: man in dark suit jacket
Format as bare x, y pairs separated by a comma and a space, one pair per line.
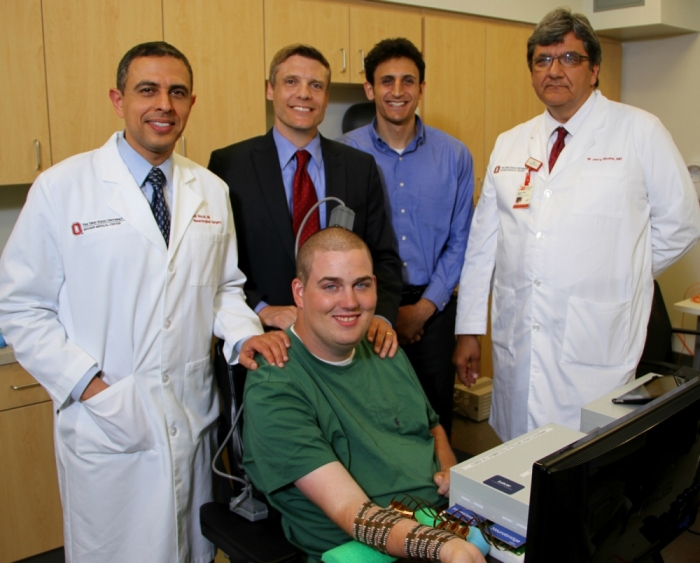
259, 173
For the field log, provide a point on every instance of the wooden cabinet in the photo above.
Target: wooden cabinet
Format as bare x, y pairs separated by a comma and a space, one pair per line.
368, 26
30, 518
324, 25
610, 75
85, 40
510, 99
223, 40
24, 129
344, 34
454, 99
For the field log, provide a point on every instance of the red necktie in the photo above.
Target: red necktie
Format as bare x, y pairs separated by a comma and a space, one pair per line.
557, 147
303, 198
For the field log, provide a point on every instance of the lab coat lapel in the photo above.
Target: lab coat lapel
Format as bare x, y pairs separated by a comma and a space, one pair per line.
186, 202
585, 137
126, 197
334, 165
267, 169
537, 148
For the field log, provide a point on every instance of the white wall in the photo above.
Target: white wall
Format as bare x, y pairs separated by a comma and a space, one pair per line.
526, 11
663, 77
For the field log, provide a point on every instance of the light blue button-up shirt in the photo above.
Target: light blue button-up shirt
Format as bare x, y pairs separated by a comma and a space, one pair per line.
429, 189
140, 167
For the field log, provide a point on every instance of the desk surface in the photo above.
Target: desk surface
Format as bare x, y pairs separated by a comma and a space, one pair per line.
687, 306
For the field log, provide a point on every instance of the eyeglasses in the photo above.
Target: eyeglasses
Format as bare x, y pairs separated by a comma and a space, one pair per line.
567, 60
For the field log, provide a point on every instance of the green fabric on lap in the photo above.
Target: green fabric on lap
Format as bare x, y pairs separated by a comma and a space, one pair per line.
355, 552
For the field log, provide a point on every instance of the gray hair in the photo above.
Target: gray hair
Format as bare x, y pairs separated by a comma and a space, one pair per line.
556, 25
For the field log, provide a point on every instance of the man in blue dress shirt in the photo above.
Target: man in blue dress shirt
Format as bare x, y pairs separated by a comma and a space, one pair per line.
428, 179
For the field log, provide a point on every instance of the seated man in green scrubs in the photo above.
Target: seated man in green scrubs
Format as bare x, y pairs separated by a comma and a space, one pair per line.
338, 428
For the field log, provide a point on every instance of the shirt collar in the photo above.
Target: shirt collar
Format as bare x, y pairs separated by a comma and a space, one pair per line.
139, 166
575, 123
286, 149
417, 140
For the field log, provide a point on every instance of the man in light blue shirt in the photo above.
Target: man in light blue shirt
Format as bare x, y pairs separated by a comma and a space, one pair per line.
428, 179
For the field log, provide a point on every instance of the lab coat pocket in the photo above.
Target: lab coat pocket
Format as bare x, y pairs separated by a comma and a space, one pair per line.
600, 195
206, 250
121, 415
596, 334
200, 401
503, 320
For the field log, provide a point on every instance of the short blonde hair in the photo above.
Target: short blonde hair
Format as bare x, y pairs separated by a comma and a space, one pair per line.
332, 239
306, 51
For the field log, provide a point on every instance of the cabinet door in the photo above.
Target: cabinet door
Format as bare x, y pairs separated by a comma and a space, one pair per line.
223, 40
454, 96
610, 75
510, 98
85, 40
23, 112
324, 25
30, 519
368, 26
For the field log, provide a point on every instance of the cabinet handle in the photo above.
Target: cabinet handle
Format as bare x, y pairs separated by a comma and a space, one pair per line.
184, 146
362, 60
37, 147
345, 61
20, 387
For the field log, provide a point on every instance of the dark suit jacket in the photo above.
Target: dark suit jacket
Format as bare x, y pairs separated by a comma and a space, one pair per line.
264, 224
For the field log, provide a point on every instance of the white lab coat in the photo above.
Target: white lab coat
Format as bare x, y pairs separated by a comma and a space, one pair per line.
86, 279
572, 276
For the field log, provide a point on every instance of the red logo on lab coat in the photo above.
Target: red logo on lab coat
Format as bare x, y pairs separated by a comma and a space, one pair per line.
497, 170
77, 229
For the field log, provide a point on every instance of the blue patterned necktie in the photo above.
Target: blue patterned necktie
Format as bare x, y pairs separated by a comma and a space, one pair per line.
158, 205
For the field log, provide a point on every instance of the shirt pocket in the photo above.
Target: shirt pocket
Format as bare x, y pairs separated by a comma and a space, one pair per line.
114, 421
600, 192
200, 402
206, 250
596, 334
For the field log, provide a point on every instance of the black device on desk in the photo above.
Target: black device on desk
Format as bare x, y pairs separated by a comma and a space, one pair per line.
656, 387
623, 492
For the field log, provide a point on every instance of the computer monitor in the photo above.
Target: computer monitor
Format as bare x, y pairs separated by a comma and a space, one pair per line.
622, 493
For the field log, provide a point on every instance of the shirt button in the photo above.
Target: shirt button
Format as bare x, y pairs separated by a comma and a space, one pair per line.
403, 238
548, 193
535, 327
405, 263
173, 431
166, 324
403, 211
171, 268
538, 283
540, 235
401, 158
166, 378
401, 184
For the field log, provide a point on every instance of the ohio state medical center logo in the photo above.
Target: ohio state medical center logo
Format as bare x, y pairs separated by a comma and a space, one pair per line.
81, 228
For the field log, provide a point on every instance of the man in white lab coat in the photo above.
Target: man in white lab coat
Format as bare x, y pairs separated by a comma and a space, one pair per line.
122, 264
570, 230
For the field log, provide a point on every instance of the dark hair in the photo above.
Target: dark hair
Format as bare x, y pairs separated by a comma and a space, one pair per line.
556, 25
150, 49
388, 49
306, 51
331, 239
